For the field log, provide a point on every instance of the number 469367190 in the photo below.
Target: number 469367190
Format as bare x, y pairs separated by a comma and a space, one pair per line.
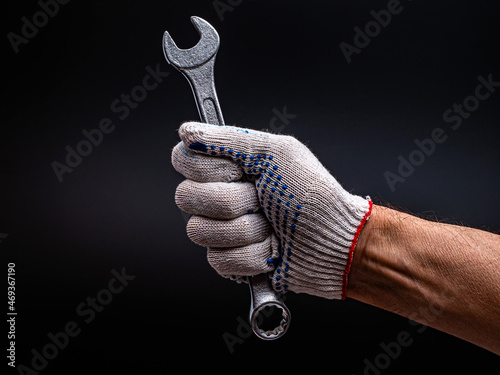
11, 289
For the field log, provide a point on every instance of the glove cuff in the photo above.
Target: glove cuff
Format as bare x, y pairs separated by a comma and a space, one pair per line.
354, 242
319, 263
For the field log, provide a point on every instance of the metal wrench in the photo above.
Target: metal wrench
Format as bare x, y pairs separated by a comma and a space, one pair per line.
197, 65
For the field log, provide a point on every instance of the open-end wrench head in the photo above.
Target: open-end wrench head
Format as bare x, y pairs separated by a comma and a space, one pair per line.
202, 52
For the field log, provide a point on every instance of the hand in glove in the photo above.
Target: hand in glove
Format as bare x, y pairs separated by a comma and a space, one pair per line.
288, 216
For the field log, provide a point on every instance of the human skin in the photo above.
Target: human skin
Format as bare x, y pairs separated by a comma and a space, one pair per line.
441, 275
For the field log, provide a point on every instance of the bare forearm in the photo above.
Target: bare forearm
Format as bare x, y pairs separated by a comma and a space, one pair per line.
405, 264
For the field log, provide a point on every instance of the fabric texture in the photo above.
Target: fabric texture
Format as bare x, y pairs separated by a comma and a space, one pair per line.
288, 216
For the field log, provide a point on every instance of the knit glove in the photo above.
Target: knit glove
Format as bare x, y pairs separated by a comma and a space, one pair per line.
288, 217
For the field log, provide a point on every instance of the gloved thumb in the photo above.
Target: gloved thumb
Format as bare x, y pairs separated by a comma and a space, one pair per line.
226, 140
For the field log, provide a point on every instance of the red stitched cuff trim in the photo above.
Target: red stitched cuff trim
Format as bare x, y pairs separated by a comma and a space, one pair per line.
351, 250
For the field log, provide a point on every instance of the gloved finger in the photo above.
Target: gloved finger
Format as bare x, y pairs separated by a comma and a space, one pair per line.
254, 151
249, 260
217, 200
204, 168
244, 230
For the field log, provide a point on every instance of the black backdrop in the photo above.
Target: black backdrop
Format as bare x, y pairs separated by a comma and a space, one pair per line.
116, 210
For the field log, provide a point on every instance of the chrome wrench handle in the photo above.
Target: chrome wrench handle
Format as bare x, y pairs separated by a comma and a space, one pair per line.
197, 65
203, 86
201, 79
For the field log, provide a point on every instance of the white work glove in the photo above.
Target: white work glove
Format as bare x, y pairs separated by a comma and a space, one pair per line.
291, 218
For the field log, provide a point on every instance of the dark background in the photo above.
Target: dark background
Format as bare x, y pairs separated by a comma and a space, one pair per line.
116, 209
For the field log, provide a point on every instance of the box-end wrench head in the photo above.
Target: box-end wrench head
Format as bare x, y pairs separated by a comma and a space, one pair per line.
197, 65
